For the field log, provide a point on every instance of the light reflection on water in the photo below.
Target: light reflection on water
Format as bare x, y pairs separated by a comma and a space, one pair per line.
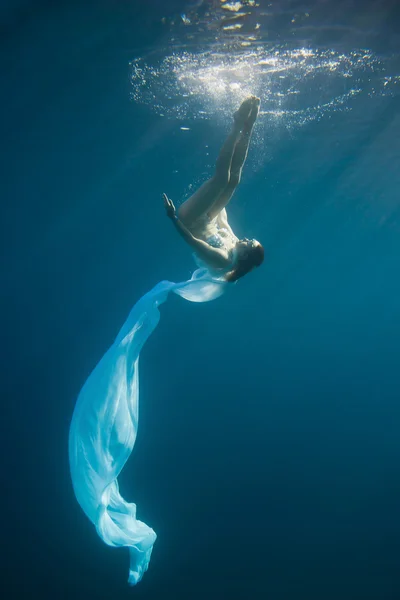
296, 85
303, 61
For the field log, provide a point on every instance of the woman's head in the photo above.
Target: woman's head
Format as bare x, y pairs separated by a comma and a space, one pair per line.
249, 254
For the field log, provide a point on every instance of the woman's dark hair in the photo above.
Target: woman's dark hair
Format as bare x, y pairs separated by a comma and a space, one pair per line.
252, 256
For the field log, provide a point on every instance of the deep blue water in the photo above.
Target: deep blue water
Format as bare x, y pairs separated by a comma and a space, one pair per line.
268, 455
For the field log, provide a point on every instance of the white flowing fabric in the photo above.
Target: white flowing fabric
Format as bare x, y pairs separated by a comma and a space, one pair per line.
105, 422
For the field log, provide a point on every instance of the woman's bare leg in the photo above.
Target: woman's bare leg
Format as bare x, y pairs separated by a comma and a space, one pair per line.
238, 160
205, 197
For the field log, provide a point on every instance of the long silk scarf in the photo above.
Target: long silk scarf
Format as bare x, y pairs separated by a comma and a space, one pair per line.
105, 423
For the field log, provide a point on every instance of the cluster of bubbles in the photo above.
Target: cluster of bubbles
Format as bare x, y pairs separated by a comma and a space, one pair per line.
296, 85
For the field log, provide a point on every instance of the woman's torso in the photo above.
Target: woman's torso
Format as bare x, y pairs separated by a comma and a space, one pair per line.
216, 231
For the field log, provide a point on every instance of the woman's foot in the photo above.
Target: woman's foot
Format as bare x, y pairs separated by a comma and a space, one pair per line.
243, 113
255, 108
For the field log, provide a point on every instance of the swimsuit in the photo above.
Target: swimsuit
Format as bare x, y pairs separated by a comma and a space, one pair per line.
216, 240
218, 237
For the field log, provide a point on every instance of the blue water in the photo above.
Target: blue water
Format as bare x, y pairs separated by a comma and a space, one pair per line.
268, 451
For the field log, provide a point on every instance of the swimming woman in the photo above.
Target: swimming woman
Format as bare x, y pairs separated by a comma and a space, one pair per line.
202, 220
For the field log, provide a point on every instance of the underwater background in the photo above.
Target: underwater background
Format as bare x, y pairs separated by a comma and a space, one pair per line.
268, 453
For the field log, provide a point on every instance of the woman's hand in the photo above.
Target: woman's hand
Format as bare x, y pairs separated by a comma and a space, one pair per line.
169, 207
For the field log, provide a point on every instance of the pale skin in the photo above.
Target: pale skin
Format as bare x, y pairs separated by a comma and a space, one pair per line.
197, 218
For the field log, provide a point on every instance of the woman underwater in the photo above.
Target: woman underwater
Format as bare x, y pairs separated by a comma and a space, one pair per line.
105, 421
202, 220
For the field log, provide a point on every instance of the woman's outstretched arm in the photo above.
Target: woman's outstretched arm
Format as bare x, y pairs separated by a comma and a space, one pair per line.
215, 257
